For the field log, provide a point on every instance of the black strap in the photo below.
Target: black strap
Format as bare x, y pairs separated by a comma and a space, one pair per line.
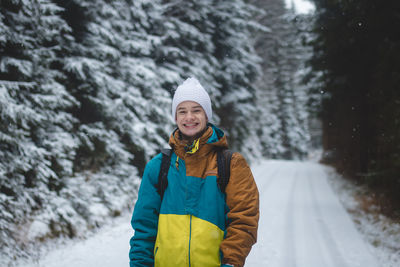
224, 157
164, 168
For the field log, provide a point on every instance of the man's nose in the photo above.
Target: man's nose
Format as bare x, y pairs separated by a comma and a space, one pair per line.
189, 115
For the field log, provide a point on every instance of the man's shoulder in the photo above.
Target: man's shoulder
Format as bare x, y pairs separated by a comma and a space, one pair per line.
238, 159
156, 159
153, 167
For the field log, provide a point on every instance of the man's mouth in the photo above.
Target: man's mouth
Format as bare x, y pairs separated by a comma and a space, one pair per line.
190, 125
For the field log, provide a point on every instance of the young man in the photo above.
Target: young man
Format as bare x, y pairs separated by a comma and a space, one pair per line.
195, 224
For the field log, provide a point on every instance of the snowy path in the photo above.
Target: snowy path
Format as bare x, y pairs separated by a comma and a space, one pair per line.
108, 248
302, 224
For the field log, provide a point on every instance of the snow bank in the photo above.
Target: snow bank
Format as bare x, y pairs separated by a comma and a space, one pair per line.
382, 233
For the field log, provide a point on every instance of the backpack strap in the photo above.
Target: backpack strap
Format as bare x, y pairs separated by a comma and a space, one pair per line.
164, 168
224, 157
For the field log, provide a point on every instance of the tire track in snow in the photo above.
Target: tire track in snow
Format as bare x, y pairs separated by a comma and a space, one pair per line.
280, 218
327, 240
265, 177
302, 223
290, 234
273, 204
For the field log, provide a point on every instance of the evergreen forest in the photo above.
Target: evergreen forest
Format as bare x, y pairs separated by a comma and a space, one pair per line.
86, 90
356, 67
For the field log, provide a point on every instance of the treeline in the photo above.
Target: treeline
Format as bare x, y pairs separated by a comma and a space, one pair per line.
357, 64
85, 96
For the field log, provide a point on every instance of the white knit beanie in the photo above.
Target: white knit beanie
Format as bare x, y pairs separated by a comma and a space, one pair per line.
191, 90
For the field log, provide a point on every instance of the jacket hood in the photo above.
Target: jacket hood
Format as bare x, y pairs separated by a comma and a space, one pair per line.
212, 137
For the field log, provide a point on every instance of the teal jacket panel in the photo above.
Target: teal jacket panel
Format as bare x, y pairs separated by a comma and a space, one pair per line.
145, 217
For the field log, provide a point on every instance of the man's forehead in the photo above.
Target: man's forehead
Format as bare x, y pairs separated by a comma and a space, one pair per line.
194, 106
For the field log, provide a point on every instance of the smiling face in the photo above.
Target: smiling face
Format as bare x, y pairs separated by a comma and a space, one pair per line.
191, 119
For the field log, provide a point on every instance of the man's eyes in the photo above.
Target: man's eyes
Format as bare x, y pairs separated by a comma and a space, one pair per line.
193, 111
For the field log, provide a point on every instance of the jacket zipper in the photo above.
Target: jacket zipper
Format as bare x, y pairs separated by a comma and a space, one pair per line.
190, 236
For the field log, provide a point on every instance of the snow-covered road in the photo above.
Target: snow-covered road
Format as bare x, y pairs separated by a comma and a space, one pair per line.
302, 224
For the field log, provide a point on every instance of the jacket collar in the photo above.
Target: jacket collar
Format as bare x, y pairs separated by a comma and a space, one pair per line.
212, 137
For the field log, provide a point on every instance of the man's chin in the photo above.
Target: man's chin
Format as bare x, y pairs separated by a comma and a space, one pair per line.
193, 134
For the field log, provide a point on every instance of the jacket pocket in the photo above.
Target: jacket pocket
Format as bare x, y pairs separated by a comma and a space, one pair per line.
155, 252
155, 257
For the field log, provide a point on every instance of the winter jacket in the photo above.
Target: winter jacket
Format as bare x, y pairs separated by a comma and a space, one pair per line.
196, 224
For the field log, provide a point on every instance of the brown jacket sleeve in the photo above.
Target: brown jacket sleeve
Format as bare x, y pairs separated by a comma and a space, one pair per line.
243, 201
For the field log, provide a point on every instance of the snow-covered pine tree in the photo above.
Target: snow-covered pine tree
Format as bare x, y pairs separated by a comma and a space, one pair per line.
86, 95
36, 144
187, 48
282, 96
287, 60
309, 125
122, 119
212, 41
269, 123
122, 72
238, 68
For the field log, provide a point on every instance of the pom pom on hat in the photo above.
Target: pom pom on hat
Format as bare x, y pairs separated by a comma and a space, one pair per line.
191, 90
